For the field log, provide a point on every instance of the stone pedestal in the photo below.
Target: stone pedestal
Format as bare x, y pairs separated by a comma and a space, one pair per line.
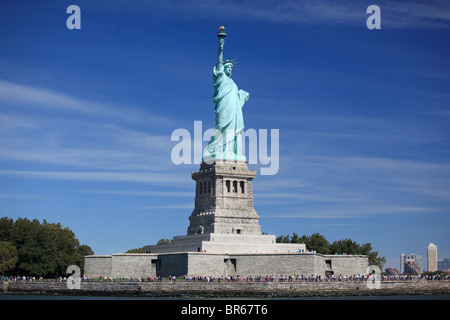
222, 243
224, 200
224, 219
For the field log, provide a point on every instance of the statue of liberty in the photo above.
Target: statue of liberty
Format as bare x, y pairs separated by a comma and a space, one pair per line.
226, 140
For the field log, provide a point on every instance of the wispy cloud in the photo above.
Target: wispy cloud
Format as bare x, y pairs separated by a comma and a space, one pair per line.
171, 206
354, 187
355, 212
34, 97
15, 196
92, 135
140, 193
377, 172
69, 142
137, 177
422, 14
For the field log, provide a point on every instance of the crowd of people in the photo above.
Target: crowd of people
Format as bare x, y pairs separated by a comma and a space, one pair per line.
20, 278
259, 278
271, 278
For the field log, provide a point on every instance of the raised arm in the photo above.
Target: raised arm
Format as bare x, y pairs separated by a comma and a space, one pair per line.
220, 53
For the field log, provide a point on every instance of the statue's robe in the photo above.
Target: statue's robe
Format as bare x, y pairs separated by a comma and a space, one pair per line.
225, 141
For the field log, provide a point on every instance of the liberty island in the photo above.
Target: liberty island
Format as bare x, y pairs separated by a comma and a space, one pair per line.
224, 236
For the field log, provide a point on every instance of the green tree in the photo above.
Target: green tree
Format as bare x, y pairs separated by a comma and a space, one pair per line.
45, 249
8, 257
61, 247
283, 239
375, 259
6, 226
32, 245
346, 246
317, 242
164, 241
295, 238
137, 250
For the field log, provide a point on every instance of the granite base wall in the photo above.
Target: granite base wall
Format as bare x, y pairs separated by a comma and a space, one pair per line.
98, 266
135, 265
208, 264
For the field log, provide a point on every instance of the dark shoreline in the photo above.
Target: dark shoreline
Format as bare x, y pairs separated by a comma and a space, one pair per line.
243, 290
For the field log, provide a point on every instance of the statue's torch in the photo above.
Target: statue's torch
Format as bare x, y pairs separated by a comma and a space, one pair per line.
221, 33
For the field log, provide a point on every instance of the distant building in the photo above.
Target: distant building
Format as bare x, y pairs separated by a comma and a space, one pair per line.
411, 264
444, 264
432, 257
411, 267
393, 272
419, 261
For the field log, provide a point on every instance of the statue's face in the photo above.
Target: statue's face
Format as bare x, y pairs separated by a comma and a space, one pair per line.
228, 69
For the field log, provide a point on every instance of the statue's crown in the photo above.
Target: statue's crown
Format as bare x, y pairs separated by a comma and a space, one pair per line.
228, 61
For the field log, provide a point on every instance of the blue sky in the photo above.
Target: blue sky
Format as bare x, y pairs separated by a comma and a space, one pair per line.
86, 116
